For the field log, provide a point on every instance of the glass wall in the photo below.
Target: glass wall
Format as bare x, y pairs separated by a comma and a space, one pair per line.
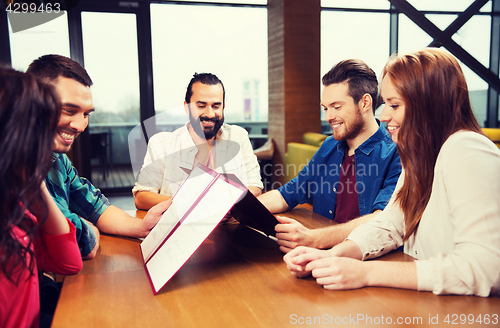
345, 35
474, 37
111, 59
230, 42
48, 38
360, 4
360, 29
455, 5
254, 2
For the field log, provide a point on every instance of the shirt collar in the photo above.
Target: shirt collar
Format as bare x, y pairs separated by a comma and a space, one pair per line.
223, 132
55, 156
371, 143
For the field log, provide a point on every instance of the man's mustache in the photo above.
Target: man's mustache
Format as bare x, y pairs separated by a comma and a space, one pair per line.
206, 119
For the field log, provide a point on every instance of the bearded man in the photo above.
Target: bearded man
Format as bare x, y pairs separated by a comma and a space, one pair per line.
205, 139
353, 174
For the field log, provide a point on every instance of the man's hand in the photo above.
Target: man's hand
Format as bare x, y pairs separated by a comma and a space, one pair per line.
291, 233
154, 215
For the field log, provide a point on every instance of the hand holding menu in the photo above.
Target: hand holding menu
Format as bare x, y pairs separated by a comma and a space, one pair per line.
197, 208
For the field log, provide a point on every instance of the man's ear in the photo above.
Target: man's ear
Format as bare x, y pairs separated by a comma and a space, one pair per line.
366, 103
186, 107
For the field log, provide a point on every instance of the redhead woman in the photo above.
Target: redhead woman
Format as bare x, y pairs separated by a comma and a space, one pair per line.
445, 209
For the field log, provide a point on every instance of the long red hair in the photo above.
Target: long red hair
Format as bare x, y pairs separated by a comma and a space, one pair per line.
433, 89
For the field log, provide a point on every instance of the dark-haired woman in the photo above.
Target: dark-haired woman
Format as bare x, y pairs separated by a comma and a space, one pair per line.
33, 232
446, 206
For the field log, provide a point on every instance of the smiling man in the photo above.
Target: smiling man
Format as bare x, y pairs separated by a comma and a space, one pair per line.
353, 174
205, 139
82, 203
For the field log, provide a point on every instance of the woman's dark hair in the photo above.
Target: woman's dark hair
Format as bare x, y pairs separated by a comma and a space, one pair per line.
29, 114
433, 89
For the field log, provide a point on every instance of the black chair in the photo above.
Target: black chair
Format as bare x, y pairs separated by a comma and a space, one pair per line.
99, 145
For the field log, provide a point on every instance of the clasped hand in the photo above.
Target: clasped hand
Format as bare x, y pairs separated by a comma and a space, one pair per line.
331, 271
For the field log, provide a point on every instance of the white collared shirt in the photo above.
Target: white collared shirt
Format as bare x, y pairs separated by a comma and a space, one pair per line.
169, 151
457, 242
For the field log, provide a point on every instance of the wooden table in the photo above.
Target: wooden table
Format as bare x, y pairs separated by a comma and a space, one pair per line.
237, 278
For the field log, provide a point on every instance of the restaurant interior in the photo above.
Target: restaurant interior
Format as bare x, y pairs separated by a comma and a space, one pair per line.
271, 56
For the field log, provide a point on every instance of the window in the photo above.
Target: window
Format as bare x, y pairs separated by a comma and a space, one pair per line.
113, 66
48, 38
230, 42
111, 59
371, 4
255, 2
359, 35
474, 37
345, 35
455, 5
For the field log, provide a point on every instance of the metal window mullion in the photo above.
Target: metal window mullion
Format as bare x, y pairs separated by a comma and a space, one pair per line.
493, 103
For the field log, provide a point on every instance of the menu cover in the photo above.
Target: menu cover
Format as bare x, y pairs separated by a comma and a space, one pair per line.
252, 213
197, 208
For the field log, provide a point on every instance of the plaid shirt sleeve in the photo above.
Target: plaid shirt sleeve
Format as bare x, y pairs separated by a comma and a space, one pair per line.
77, 198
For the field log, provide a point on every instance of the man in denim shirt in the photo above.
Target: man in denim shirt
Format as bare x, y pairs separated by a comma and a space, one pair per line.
83, 204
353, 174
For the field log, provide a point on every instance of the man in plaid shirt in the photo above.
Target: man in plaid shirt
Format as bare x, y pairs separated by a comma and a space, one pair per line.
82, 203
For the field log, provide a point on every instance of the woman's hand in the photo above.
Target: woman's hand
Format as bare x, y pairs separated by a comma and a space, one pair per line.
338, 273
298, 259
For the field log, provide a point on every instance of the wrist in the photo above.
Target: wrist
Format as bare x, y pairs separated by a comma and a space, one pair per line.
347, 248
324, 238
319, 238
140, 228
369, 277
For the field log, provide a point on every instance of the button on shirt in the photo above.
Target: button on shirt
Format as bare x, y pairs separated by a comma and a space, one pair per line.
377, 170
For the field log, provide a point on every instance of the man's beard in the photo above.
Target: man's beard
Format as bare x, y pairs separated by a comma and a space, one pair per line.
355, 127
208, 133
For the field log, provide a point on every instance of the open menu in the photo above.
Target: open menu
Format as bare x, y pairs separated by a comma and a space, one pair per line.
197, 208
